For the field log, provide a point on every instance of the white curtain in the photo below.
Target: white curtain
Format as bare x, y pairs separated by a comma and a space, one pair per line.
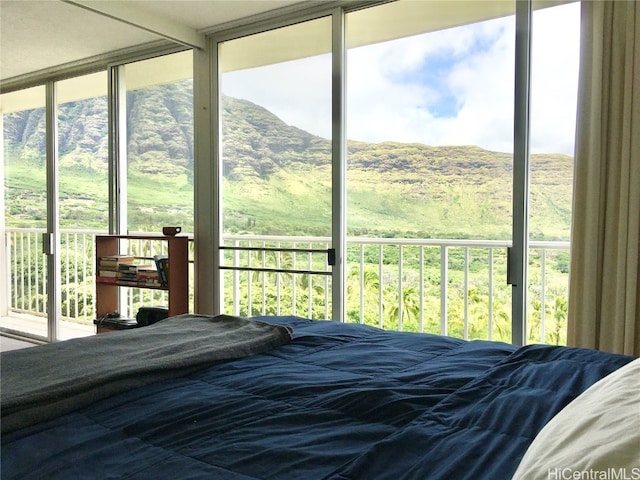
604, 302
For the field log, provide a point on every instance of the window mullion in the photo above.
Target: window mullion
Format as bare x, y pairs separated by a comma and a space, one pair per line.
518, 258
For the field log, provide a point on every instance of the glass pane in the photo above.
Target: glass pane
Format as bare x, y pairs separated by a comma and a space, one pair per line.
555, 61
25, 212
160, 143
160, 146
83, 195
276, 157
429, 180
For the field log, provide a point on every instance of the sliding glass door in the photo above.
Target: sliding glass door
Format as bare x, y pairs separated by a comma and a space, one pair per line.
25, 304
430, 161
82, 196
55, 195
276, 165
155, 167
555, 59
431, 128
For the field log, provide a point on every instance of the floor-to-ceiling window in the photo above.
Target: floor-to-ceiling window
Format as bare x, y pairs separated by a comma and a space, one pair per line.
276, 170
75, 173
429, 180
25, 212
82, 177
430, 158
64, 192
554, 82
430, 139
156, 163
430, 164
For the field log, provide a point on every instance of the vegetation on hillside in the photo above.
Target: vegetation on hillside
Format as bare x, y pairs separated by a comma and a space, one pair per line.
394, 189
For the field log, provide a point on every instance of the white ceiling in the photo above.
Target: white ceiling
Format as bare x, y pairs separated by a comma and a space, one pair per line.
37, 35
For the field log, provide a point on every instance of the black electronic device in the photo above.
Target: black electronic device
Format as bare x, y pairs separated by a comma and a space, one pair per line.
113, 321
150, 315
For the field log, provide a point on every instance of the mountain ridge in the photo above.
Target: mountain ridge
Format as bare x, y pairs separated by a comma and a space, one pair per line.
434, 190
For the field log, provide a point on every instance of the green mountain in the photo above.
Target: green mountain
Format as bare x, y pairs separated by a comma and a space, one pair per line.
277, 178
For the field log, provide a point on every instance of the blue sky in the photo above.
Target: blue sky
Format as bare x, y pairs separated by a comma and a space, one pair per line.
444, 88
434, 72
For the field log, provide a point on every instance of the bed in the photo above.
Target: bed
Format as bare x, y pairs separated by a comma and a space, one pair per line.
292, 398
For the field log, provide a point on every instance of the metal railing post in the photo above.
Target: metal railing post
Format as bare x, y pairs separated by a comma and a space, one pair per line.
444, 282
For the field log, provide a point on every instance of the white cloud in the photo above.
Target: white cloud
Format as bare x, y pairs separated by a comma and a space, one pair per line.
555, 59
298, 92
445, 88
478, 80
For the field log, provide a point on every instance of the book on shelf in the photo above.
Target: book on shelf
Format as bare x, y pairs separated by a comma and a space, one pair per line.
132, 268
149, 276
107, 273
106, 279
125, 271
162, 265
127, 277
149, 272
117, 258
112, 261
130, 281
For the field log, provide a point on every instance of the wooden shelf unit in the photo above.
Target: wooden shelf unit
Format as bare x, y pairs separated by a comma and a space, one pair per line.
177, 288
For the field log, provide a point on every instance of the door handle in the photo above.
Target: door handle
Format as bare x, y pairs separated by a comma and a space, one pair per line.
511, 274
331, 256
48, 244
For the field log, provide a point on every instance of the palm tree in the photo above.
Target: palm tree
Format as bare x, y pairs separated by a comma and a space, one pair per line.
408, 315
271, 260
560, 309
362, 295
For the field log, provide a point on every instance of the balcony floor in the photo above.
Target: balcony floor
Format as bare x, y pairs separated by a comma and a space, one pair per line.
36, 326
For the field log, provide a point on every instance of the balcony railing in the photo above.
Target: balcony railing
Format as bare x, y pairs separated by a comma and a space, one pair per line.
448, 287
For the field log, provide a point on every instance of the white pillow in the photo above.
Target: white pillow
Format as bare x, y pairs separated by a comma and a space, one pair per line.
596, 436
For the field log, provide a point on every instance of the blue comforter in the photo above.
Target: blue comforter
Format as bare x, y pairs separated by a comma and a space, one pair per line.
340, 401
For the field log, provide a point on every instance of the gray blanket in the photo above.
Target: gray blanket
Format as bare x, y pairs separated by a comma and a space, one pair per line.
44, 382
